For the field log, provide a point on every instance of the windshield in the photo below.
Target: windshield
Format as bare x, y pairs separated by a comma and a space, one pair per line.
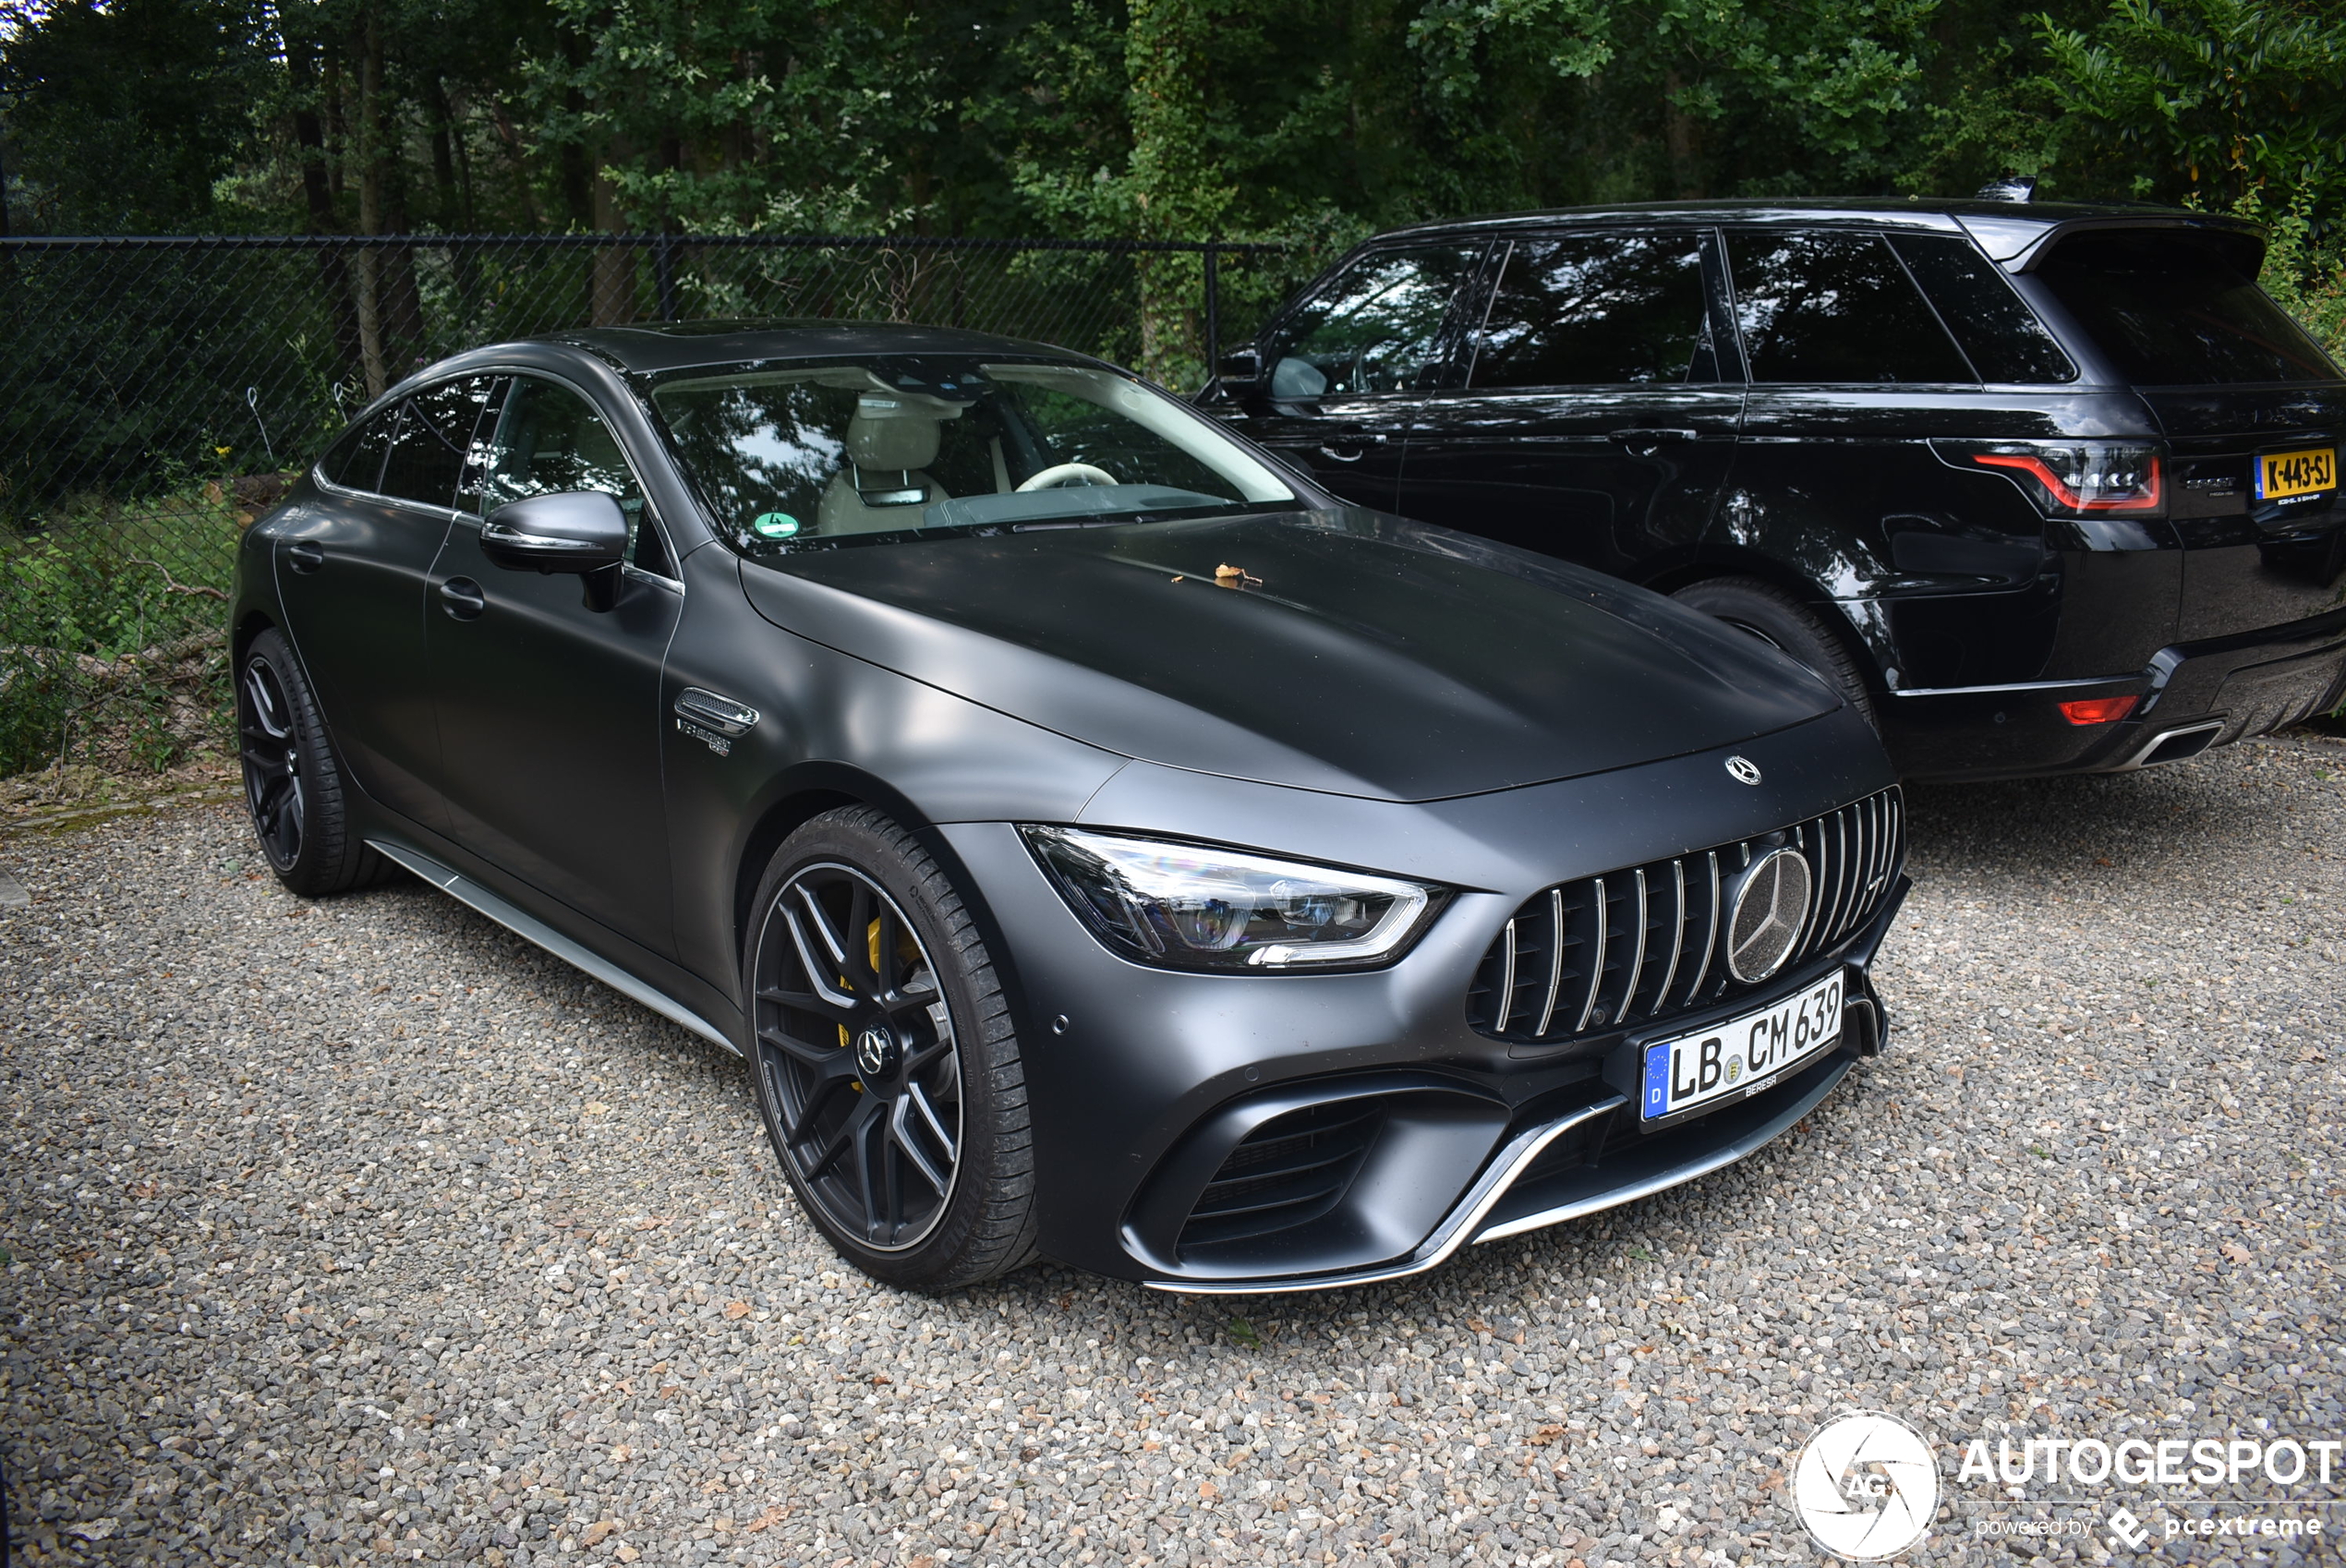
821, 455
2172, 310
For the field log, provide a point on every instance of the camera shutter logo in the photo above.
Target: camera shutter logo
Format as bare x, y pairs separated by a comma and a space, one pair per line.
1867, 1486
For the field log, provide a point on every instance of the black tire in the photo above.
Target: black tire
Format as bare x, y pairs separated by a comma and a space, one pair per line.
292, 788
1786, 624
903, 1128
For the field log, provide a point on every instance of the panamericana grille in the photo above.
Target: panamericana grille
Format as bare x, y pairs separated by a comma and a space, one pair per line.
1289, 1171
1642, 943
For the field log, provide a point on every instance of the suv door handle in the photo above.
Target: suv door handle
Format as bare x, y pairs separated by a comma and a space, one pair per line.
305, 556
1350, 446
463, 599
1642, 442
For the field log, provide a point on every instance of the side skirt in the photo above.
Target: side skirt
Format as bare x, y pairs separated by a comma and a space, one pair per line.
472, 894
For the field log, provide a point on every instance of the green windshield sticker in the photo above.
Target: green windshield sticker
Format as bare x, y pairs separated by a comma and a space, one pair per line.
776, 525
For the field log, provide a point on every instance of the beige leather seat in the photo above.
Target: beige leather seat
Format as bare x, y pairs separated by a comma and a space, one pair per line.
883, 486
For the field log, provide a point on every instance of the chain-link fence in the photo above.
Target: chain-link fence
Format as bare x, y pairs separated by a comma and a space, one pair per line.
155, 394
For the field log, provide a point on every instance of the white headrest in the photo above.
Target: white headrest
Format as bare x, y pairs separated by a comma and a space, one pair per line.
898, 442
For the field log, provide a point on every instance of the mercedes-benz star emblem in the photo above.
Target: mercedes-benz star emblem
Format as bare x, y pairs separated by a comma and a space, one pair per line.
1743, 771
873, 1048
1771, 909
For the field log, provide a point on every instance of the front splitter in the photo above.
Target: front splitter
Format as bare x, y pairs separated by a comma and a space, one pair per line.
1496, 1206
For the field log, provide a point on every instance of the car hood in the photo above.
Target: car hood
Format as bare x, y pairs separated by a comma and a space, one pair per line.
1361, 655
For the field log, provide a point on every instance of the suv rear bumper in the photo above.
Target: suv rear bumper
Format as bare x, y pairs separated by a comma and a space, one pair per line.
2195, 695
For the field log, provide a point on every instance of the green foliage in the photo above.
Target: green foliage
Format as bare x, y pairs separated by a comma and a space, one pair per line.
2205, 102
2309, 281
129, 113
1304, 121
96, 590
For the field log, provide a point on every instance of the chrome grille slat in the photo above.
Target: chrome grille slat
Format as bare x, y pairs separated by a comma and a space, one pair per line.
1524, 992
1506, 982
1839, 871
1556, 958
1678, 937
1709, 936
1637, 959
1596, 964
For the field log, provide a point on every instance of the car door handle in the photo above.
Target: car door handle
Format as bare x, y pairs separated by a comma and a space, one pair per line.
1352, 445
721, 714
305, 556
463, 599
1642, 441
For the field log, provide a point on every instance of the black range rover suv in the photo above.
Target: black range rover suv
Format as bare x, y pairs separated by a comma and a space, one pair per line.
2042, 489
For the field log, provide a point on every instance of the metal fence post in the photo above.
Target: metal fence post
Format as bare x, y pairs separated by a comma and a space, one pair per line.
664, 274
1213, 309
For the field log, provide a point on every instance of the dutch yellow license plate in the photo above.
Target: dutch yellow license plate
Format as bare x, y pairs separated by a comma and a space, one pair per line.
2281, 474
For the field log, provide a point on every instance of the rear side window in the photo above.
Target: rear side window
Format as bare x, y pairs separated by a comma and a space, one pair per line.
1832, 306
356, 460
1993, 324
1598, 309
428, 460
2174, 310
1377, 327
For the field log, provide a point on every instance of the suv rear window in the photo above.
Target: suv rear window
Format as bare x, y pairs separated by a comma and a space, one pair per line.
2172, 311
1828, 305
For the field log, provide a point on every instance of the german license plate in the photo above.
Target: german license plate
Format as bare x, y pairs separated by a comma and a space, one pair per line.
2309, 471
1741, 1057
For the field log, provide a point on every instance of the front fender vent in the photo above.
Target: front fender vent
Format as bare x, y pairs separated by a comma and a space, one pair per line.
1642, 943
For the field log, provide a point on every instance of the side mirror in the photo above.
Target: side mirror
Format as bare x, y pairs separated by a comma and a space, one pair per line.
1241, 370
577, 531
582, 533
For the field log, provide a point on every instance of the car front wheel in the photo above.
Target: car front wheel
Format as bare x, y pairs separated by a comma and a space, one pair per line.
886, 1070
293, 785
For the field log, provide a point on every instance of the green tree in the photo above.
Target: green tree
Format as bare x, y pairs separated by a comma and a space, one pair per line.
2204, 101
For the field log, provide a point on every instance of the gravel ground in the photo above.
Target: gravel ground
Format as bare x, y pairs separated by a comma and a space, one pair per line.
362, 1232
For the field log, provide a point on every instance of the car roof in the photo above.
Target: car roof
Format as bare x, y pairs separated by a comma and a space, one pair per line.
2006, 229
654, 348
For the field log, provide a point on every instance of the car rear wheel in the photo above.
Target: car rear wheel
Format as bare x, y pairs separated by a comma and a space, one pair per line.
1786, 624
886, 1070
293, 787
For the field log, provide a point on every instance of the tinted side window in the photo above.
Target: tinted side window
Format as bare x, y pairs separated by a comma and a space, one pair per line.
550, 440
1995, 327
356, 460
1835, 306
1376, 328
2172, 311
1594, 310
428, 459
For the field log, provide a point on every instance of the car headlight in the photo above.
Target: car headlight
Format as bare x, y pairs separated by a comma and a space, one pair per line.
1189, 906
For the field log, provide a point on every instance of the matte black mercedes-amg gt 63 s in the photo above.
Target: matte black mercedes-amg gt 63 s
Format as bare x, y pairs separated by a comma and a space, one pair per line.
1100, 840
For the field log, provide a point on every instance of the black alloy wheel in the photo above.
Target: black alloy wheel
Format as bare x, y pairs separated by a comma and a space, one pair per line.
272, 754
885, 1070
293, 787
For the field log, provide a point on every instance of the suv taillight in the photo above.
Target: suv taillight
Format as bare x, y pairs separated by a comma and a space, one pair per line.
2073, 479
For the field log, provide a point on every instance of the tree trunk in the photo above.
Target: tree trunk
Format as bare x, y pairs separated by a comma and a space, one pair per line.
1681, 137
1176, 185
365, 268
402, 301
318, 199
611, 281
